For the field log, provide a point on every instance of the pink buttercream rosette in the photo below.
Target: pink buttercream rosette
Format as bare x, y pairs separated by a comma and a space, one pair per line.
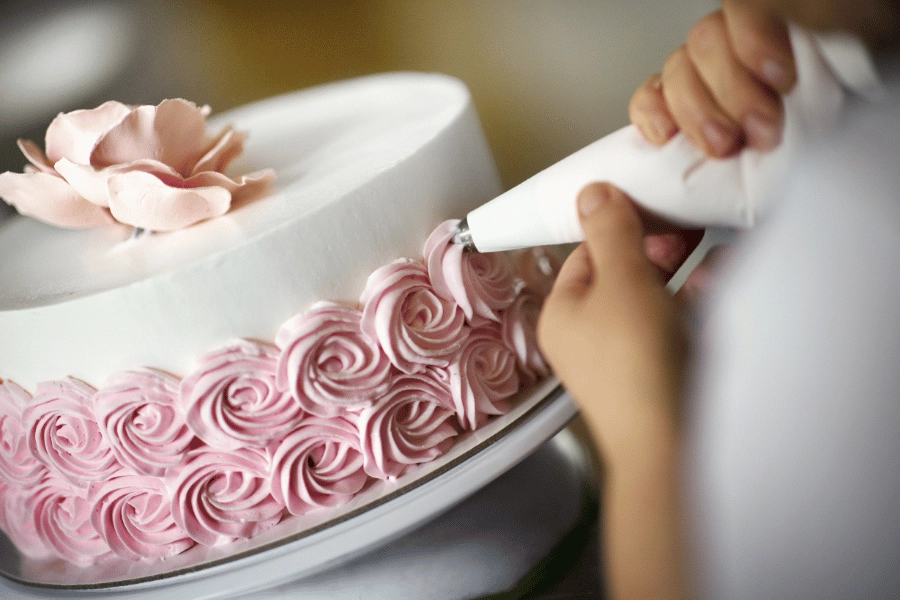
62, 516
414, 325
483, 377
133, 515
151, 167
17, 465
64, 435
327, 362
231, 400
17, 520
481, 284
220, 497
318, 465
409, 425
518, 325
138, 414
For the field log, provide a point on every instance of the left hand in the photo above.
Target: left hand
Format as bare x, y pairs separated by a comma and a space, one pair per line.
609, 328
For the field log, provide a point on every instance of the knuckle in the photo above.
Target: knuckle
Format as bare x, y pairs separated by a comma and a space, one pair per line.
707, 34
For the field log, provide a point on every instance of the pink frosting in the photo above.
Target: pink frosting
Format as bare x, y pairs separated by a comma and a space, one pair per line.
64, 435
133, 515
220, 497
17, 465
414, 325
150, 465
483, 377
138, 415
62, 516
538, 267
327, 362
518, 328
151, 167
482, 284
411, 424
318, 465
231, 401
17, 521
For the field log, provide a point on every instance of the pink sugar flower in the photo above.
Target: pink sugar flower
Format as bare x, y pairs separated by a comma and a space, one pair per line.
62, 516
151, 167
518, 325
17, 520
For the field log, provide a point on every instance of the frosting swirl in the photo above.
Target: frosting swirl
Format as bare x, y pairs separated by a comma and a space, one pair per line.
538, 267
318, 465
17, 521
327, 362
483, 377
64, 435
518, 328
231, 400
62, 517
133, 514
220, 497
411, 424
482, 284
137, 413
414, 325
17, 465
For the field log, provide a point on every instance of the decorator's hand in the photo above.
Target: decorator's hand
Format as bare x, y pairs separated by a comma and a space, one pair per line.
723, 87
614, 336
609, 328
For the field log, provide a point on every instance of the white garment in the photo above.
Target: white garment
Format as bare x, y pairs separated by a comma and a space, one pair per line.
793, 438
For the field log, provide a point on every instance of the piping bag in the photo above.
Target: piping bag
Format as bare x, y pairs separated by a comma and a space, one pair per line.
678, 181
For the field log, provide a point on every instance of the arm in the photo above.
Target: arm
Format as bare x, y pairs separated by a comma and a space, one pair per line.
614, 337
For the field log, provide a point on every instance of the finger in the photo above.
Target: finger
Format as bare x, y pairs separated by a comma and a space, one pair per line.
613, 236
648, 111
761, 43
698, 115
746, 99
668, 250
574, 276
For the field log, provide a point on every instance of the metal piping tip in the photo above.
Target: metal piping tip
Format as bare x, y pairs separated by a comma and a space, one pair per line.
464, 236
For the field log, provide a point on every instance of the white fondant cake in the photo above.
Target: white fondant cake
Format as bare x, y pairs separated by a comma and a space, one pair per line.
187, 388
365, 170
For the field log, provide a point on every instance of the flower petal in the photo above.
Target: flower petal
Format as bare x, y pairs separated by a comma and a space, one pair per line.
143, 200
93, 184
50, 199
73, 135
228, 146
35, 156
173, 133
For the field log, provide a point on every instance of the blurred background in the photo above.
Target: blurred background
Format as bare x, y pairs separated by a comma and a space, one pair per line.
547, 76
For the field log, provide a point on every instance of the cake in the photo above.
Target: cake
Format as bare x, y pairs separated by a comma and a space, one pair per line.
194, 375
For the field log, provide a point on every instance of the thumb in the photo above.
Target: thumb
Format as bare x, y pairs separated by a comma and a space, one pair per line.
613, 234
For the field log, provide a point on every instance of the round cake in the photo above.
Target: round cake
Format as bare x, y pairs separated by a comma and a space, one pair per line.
168, 389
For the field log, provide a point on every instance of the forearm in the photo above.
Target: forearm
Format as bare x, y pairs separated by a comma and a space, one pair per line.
641, 516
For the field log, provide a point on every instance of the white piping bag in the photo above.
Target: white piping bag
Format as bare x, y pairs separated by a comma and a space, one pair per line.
677, 181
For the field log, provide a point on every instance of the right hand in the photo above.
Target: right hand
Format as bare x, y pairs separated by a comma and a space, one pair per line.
723, 87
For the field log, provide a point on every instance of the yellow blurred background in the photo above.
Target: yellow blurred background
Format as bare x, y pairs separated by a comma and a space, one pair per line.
547, 76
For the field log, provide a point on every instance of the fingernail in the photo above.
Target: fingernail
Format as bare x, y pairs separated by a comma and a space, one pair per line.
664, 128
774, 73
761, 134
718, 137
590, 200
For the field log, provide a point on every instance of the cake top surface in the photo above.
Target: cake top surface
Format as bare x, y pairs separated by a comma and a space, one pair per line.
334, 144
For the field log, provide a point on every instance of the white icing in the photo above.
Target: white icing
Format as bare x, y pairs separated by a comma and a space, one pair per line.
366, 169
